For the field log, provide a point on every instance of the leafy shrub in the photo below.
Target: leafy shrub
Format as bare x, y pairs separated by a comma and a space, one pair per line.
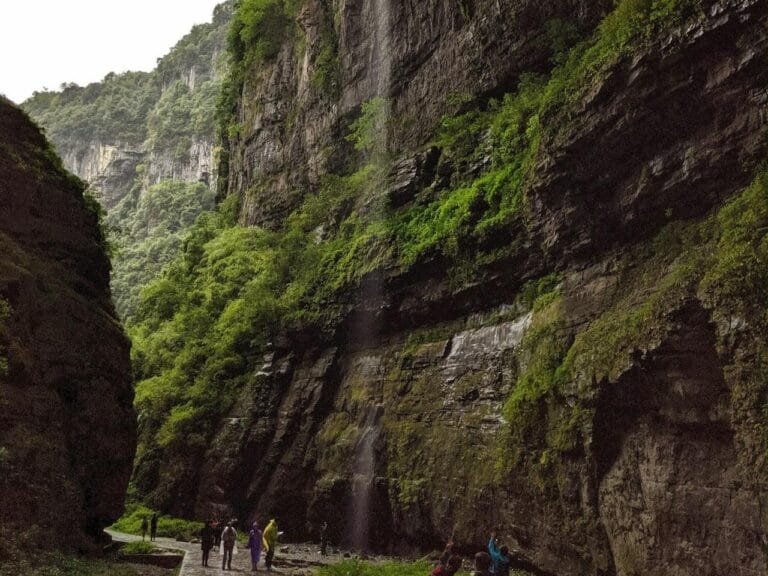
180, 529
257, 30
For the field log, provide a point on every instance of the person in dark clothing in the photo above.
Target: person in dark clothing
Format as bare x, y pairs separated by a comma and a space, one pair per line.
144, 526
482, 565
153, 527
206, 541
451, 566
324, 538
217, 528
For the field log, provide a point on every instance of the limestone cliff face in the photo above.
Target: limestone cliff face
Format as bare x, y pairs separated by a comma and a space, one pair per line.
647, 454
148, 127
135, 135
110, 168
67, 427
426, 58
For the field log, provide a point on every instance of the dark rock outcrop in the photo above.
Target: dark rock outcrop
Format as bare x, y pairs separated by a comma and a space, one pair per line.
667, 134
67, 426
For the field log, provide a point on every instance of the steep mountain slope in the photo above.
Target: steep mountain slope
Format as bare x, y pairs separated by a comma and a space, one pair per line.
139, 137
486, 264
67, 425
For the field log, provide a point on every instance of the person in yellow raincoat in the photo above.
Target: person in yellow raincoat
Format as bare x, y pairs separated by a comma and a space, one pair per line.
270, 542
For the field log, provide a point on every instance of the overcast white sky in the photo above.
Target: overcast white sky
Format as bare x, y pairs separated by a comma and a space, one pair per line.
46, 42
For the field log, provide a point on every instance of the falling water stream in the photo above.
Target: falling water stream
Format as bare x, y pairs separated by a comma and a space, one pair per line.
363, 479
382, 60
363, 473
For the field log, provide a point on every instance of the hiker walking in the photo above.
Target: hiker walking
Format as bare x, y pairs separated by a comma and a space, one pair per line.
206, 540
144, 526
254, 543
153, 527
270, 541
228, 541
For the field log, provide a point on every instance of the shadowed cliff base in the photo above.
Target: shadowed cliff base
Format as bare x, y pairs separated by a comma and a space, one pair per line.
67, 429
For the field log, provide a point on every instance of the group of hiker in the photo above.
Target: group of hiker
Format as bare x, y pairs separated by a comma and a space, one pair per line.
223, 537
495, 562
214, 535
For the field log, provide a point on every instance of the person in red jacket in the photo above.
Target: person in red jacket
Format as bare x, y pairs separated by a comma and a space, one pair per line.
449, 568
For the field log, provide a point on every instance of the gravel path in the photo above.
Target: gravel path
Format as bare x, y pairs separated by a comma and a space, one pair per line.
291, 559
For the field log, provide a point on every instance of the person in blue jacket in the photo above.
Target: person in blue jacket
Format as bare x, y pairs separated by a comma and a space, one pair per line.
499, 556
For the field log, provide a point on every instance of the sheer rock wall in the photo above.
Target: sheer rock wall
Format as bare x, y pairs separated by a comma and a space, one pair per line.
668, 467
67, 426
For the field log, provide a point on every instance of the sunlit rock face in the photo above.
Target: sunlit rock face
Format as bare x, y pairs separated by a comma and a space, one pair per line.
111, 168
67, 425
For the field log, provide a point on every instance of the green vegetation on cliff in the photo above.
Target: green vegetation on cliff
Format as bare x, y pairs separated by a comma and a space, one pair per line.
113, 110
255, 36
156, 117
721, 262
201, 329
147, 229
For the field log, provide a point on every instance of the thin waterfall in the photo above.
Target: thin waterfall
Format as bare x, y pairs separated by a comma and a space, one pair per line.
382, 56
362, 479
366, 331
